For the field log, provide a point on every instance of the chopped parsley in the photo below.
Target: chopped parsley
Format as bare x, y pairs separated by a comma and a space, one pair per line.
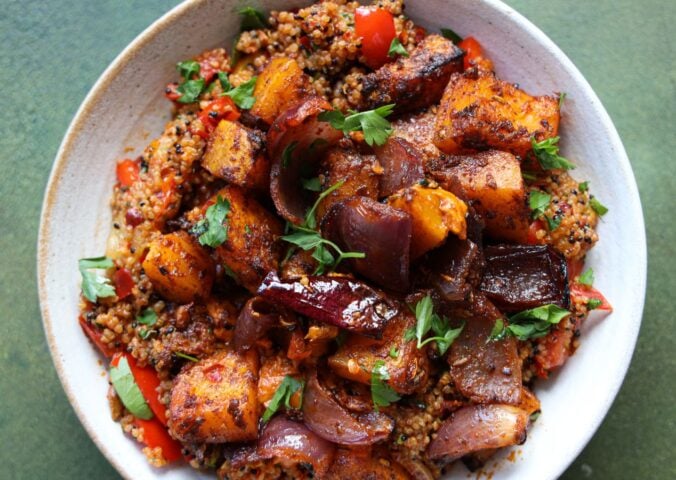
538, 201
587, 278
547, 153
394, 352
583, 187
451, 35
147, 317
427, 320
211, 229
533, 323
128, 391
282, 396
381, 393
190, 89
252, 19
95, 286
598, 207
553, 222
242, 95
593, 303
372, 122
396, 48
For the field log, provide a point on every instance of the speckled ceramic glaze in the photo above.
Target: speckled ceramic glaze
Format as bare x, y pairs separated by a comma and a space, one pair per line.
126, 107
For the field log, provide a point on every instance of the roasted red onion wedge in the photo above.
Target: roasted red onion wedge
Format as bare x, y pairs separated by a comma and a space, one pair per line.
478, 427
402, 165
519, 277
339, 301
255, 319
295, 143
383, 233
328, 419
485, 371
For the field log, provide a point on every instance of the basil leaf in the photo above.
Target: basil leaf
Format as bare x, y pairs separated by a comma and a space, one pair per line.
243, 95
451, 35
282, 396
252, 19
598, 207
128, 391
147, 317
396, 48
587, 278
538, 202
211, 229
547, 153
190, 90
381, 393
93, 285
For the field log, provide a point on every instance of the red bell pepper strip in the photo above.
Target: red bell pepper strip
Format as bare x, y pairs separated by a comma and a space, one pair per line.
95, 336
472, 50
124, 283
155, 435
375, 27
127, 172
147, 380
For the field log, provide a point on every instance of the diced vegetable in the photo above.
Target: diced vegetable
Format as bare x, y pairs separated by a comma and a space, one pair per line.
95, 335
273, 371
148, 382
127, 172
280, 85
155, 435
179, 268
363, 463
435, 213
235, 153
502, 116
223, 108
215, 400
124, 283
473, 51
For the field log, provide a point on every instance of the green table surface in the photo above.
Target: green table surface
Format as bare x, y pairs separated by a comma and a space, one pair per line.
51, 53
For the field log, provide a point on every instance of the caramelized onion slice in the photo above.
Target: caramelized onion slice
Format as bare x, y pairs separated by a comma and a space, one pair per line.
478, 427
339, 301
295, 143
383, 233
519, 277
328, 419
402, 165
255, 319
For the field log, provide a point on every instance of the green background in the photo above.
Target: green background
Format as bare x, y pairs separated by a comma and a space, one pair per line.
51, 53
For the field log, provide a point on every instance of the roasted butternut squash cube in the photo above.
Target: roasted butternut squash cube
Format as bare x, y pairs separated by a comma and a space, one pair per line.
493, 181
250, 250
280, 85
435, 213
273, 371
215, 400
356, 358
236, 154
478, 111
179, 268
364, 463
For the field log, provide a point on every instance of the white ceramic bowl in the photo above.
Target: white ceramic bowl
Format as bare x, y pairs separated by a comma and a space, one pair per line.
127, 104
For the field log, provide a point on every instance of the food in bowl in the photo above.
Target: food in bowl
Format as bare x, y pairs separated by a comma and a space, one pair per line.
351, 253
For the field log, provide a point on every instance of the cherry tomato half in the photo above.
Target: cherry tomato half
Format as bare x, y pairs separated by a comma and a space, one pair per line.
472, 50
375, 27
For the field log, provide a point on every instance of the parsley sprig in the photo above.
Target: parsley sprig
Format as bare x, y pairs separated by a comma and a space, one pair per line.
95, 286
396, 49
252, 19
381, 393
190, 88
147, 317
547, 153
242, 95
539, 201
533, 323
211, 230
282, 396
307, 237
451, 35
372, 122
427, 320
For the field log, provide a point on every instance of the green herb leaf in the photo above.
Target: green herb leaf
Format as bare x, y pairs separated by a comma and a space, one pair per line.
252, 19
427, 320
451, 35
128, 391
381, 393
587, 278
312, 184
538, 201
282, 396
547, 153
190, 90
286, 154
211, 229
144, 333
562, 97
225, 81
243, 95
186, 356
553, 222
583, 187
409, 334
598, 207
93, 285
394, 352
593, 303
147, 317
424, 310
372, 122
530, 176
396, 48
533, 323
187, 69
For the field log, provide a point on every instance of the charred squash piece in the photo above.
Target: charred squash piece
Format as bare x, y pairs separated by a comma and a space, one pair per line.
478, 111
179, 268
235, 153
363, 464
214, 400
417, 81
272, 373
520, 277
356, 358
435, 213
492, 181
280, 85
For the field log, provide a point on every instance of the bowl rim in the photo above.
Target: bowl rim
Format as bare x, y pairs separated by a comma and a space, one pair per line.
81, 118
